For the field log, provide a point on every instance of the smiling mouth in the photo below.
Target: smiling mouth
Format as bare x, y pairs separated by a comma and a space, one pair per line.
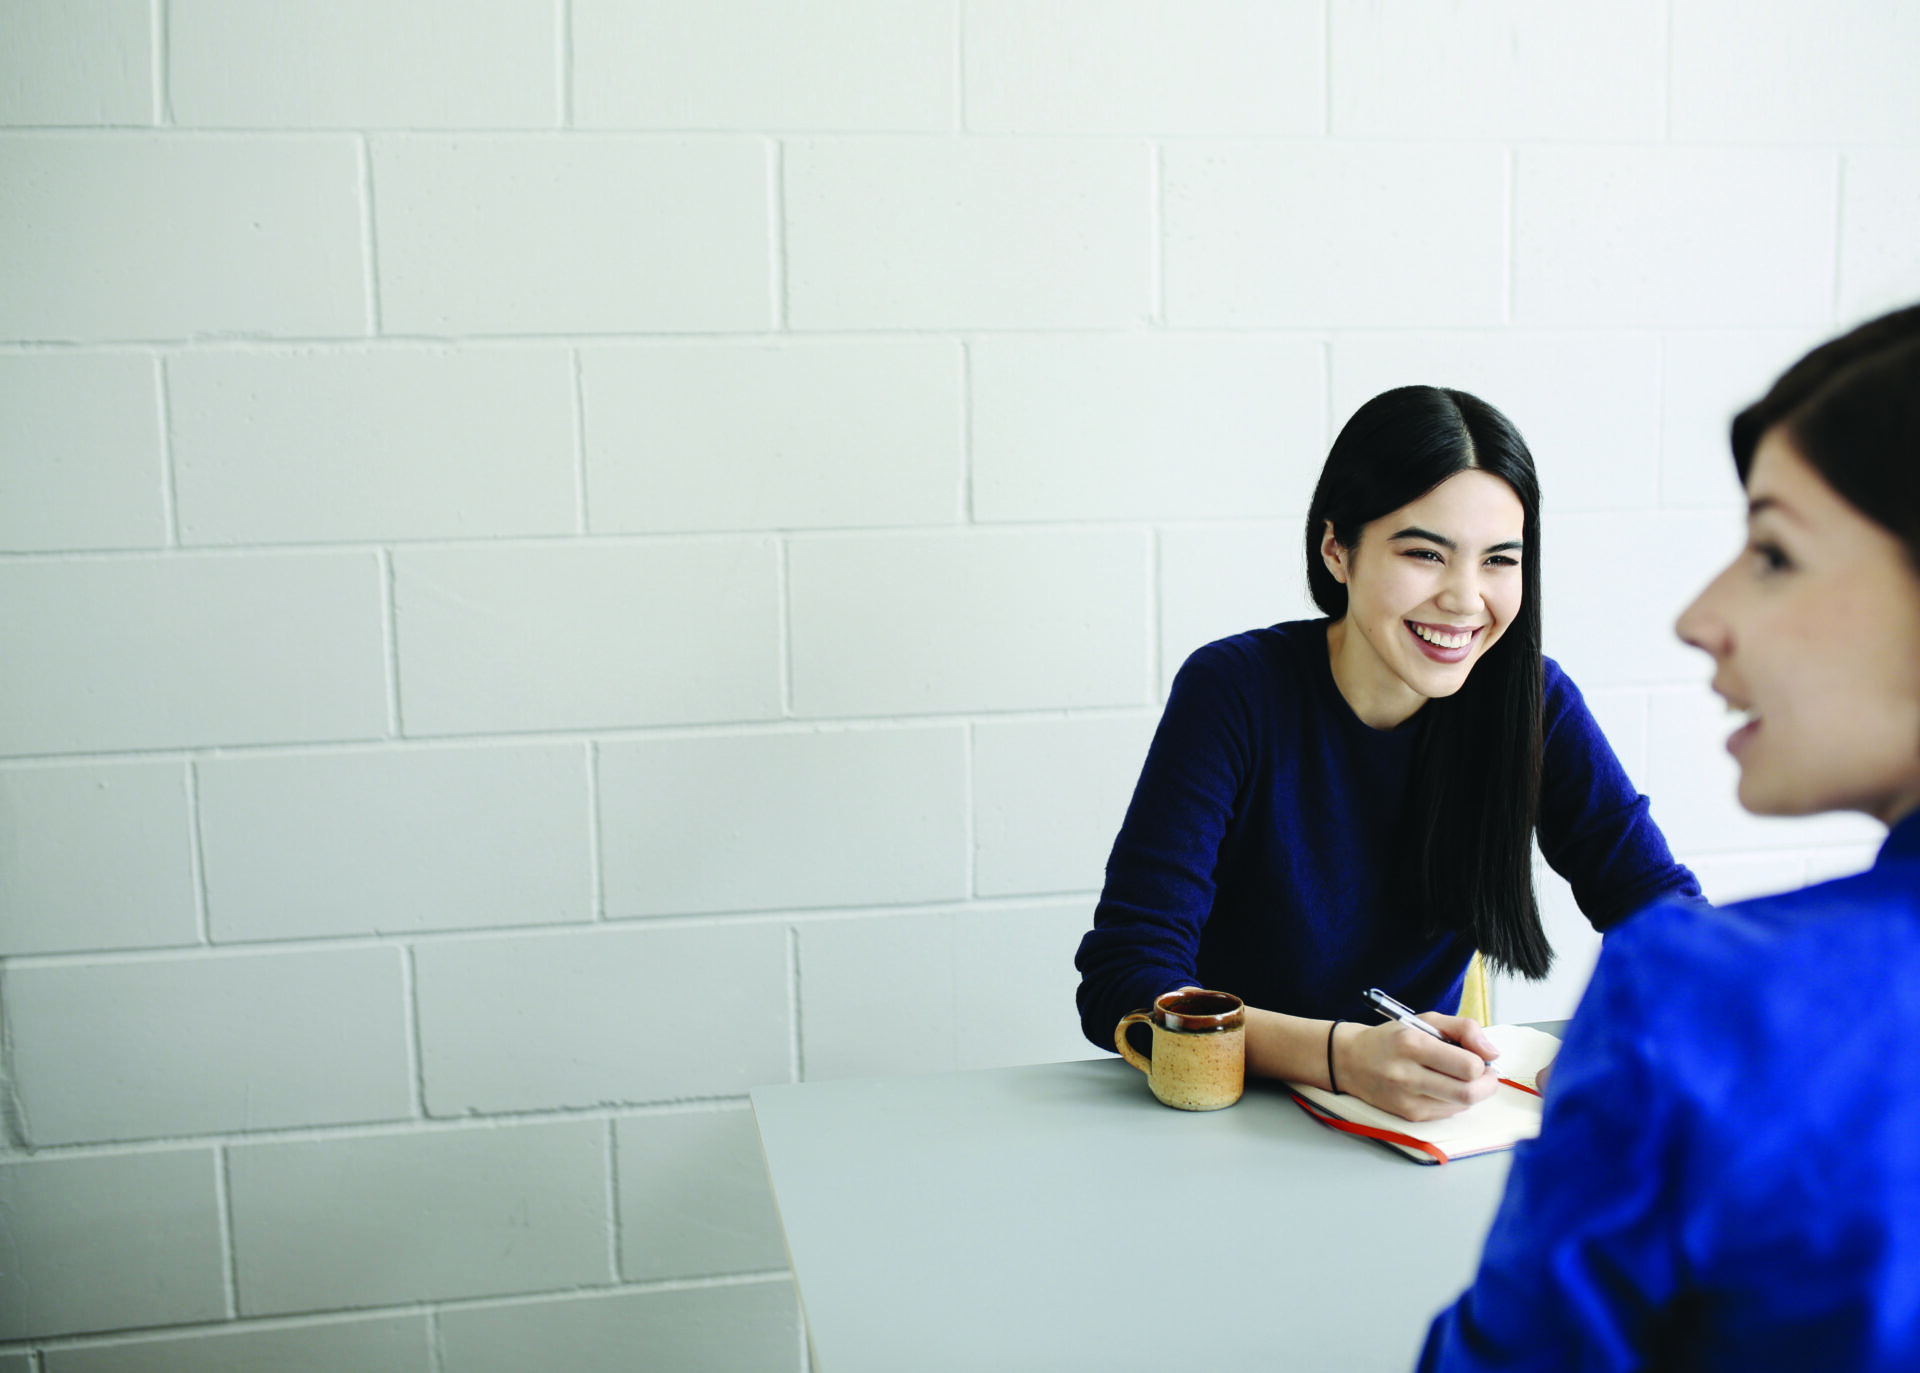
1443, 643
1749, 727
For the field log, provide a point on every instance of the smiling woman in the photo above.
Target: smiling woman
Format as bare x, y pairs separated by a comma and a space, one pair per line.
1331, 805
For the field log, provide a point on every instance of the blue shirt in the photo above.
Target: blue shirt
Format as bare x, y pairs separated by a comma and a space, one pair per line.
1261, 851
1728, 1175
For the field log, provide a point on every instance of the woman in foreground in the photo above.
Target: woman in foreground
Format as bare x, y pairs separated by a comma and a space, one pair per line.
1729, 1172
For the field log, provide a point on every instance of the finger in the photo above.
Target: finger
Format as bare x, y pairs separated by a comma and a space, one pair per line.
1448, 1059
1465, 1030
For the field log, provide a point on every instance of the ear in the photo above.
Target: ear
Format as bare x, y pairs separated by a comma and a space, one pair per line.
1336, 556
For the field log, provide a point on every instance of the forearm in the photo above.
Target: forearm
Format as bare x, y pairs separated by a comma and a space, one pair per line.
1291, 1047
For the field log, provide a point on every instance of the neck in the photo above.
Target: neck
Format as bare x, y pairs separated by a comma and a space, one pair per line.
1377, 696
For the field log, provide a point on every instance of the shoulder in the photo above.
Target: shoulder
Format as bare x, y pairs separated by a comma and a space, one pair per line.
1559, 695
1256, 662
1766, 967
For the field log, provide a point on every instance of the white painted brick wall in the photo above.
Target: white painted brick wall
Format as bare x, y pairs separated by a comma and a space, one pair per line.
81, 432
336, 446
522, 521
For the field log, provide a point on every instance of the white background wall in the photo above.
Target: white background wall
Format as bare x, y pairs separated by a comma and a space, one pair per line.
564, 559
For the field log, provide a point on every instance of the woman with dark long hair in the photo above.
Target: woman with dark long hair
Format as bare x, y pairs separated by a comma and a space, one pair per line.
1727, 1175
1337, 804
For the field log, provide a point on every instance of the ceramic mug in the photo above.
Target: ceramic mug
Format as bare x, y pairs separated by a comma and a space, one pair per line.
1199, 1058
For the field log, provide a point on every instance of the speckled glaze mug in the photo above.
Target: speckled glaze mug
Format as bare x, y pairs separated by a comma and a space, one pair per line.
1199, 1058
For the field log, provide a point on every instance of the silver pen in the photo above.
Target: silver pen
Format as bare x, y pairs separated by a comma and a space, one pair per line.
1393, 1010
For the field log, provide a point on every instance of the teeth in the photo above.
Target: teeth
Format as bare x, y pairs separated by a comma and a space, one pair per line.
1439, 640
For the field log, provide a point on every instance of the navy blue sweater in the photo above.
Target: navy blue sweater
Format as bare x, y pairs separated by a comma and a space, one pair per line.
1261, 850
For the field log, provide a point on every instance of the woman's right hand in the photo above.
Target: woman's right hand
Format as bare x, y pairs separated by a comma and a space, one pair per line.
1413, 1075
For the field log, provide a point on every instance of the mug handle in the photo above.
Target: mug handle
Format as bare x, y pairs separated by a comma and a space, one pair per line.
1127, 1051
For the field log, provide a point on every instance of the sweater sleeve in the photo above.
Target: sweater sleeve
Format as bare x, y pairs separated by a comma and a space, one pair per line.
1595, 829
1584, 1262
1160, 875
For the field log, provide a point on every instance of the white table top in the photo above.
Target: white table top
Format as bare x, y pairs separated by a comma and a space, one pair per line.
1059, 1218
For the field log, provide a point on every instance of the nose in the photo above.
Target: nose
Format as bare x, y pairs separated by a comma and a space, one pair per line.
1459, 590
1703, 625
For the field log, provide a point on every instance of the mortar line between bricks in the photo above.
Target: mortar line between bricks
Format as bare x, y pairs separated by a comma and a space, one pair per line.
390, 644
436, 1344
197, 858
614, 1270
162, 33
354, 1314
796, 1046
369, 235
960, 66
777, 232
582, 510
169, 472
1157, 234
596, 871
563, 57
410, 1006
783, 603
229, 1244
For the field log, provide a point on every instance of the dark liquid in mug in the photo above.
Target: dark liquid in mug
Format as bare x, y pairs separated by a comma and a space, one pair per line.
1201, 1003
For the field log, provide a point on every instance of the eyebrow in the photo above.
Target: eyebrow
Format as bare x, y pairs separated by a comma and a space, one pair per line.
1414, 532
1760, 505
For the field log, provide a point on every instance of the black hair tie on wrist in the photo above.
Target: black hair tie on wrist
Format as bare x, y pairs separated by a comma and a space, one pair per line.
1333, 1081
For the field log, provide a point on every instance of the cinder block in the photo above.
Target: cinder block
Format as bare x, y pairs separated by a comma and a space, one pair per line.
363, 64
1218, 579
1879, 233
578, 234
744, 1328
197, 1045
1669, 236
95, 856
1048, 798
391, 841
990, 988
1014, 973
618, 1016
1826, 864
966, 233
17, 1363
1145, 67
388, 444
694, 1197
756, 436
778, 821
396, 1344
1794, 73
81, 432
1736, 877
1617, 630
388, 1219
981, 620
1508, 69
764, 65
579, 635
1621, 714
1315, 234
177, 651
1693, 780
137, 236
1144, 427
1706, 379
77, 62
111, 1242
1591, 456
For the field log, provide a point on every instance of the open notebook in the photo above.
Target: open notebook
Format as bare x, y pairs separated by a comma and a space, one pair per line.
1510, 1115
